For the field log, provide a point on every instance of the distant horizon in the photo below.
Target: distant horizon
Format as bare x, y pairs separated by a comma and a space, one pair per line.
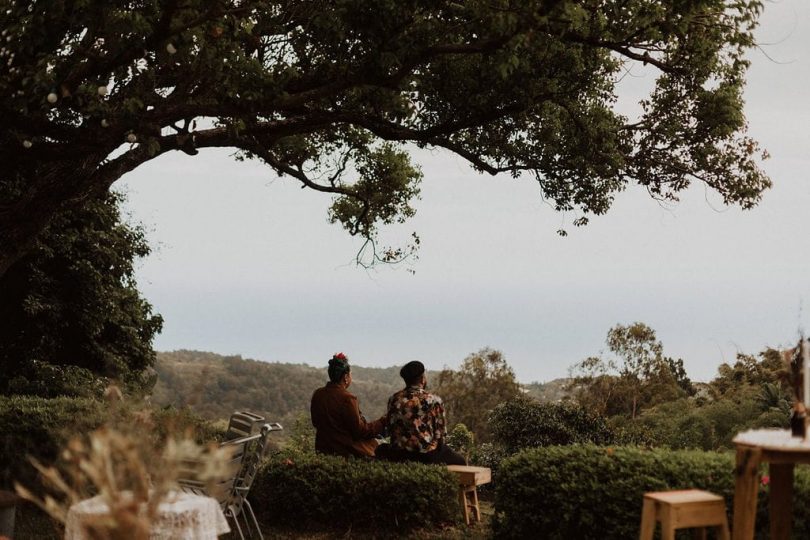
360, 365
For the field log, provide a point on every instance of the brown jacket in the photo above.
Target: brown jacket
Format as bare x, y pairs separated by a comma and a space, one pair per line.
339, 427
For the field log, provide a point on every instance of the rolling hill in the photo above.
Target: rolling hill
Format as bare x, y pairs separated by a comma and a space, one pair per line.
214, 385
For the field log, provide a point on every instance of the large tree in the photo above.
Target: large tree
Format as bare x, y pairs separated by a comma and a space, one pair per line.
70, 310
639, 376
327, 92
470, 393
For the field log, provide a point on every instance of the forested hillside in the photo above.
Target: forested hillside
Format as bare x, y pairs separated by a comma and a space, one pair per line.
215, 386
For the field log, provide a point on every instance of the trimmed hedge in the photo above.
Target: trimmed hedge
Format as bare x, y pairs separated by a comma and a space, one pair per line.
589, 492
39, 427
337, 493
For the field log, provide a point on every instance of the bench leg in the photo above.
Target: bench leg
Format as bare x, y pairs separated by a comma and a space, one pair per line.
462, 499
475, 507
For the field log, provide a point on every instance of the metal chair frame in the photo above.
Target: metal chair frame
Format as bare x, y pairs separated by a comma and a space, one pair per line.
234, 502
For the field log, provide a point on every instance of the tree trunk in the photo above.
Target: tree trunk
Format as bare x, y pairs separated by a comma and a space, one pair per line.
46, 190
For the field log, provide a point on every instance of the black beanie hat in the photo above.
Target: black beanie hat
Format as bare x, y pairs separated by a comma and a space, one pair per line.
411, 371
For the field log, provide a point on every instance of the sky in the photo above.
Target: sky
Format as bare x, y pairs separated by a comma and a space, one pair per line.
246, 263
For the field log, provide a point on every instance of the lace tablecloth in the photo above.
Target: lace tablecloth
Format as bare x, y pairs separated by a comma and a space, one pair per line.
182, 516
773, 439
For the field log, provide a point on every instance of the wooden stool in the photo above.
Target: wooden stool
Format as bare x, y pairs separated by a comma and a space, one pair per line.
468, 479
681, 510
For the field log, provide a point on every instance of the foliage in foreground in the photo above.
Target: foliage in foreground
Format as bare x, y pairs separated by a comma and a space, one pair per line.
589, 492
39, 427
327, 491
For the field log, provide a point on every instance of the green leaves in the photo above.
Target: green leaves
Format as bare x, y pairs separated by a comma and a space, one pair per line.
338, 493
524, 422
71, 306
526, 88
589, 492
387, 183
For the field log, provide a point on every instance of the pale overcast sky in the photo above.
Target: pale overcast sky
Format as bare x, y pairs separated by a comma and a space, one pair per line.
246, 263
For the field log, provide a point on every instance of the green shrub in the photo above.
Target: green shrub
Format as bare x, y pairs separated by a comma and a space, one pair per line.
526, 423
491, 456
171, 421
50, 381
337, 493
461, 439
588, 492
39, 427
301, 437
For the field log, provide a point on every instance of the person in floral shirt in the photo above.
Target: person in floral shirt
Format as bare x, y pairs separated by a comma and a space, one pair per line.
416, 423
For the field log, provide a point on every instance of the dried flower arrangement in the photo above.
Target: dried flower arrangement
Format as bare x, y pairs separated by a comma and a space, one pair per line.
131, 471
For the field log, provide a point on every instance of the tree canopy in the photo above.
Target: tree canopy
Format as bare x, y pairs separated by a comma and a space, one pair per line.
70, 310
470, 393
329, 92
642, 377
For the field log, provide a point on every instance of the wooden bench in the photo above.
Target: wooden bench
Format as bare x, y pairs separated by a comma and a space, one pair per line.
469, 478
683, 509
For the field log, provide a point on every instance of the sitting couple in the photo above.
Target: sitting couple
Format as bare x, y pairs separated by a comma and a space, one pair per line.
414, 421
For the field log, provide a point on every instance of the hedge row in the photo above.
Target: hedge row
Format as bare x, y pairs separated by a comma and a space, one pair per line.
590, 492
39, 427
337, 493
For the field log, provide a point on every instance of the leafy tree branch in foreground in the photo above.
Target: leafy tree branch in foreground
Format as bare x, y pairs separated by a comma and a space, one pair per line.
327, 93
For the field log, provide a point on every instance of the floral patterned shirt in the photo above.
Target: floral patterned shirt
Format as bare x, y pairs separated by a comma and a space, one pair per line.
415, 420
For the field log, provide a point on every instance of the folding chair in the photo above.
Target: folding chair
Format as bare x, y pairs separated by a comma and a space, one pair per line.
232, 491
244, 424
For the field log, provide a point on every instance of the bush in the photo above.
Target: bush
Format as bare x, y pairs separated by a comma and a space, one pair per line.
588, 492
169, 421
491, 456
50, 381
526, 423
338, 493
39, 427
461, 439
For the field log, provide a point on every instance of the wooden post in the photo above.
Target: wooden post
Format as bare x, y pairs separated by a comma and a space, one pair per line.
781, 500
8, 504
746, 482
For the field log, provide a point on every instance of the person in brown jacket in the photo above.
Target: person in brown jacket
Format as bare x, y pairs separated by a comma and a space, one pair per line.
340, 428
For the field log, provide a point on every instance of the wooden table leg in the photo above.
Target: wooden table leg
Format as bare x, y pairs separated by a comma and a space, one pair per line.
647, 519
746, 483
781, 500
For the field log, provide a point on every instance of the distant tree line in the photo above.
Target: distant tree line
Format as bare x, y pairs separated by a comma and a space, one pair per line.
215, 386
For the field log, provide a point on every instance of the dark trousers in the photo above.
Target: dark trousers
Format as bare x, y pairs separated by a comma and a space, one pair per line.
443, 455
